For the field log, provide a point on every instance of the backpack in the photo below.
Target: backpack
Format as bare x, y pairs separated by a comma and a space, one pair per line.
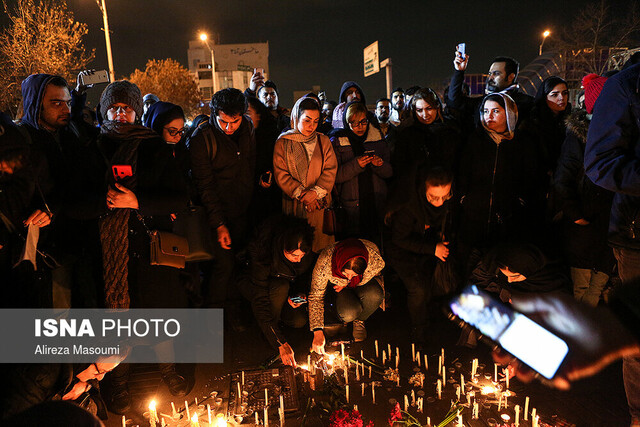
209, 139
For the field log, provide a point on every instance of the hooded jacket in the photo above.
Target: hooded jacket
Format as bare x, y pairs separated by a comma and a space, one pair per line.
338, 112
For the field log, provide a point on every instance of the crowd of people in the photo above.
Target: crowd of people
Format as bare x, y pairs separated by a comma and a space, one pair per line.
306, 208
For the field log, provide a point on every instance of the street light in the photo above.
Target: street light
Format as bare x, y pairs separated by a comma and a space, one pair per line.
546, 34
205, 38
107, 38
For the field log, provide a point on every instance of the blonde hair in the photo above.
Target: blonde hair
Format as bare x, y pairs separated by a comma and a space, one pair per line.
354, 109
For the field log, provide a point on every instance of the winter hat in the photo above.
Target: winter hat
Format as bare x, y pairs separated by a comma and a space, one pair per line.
592, 84
121, 91
150, 98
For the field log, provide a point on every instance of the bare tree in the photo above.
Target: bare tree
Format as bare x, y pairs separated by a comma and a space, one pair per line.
42, 37
171, 82
595, 34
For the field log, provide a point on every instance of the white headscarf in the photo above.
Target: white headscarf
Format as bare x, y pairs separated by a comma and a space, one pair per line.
294, 134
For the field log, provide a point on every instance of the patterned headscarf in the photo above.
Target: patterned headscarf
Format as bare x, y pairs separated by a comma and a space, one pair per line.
294, 134
512, 117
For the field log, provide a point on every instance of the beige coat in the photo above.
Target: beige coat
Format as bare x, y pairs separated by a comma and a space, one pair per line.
294, 172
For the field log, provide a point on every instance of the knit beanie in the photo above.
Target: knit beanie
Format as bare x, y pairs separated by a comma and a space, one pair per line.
121, 91
592, 84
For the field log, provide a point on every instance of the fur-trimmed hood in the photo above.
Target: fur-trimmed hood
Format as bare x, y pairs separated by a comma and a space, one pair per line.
578, 124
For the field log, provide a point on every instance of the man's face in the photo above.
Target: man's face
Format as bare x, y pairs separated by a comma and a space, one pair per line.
229, 124
382, 111
353, 94
397, 100
55, 111
327, 110
498, 79
269, 97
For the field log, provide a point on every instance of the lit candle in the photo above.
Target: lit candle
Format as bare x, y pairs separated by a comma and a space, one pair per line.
428, 421
499, 401
281, 411
517, 415
124, 420
397, 352
342, 350
376, 343
398, 380
418, 358
266, 398
506, 405
362, 386
153, 416
357, 372
186, 408
439, 389
413, 398
459, 419
209, 413
535, 419
495, 372
420, 403
533, 415
413, 352
439, 363
444, 375
242, 378
194, 421
397, 360
347, 392
458, 392
426, 363
373, 392
346, 376
506, 375
239, 395
362, 354
309, 361
526, 408
442, 354
369, 371
384, 357
196, 399
389, 350
476, 410
474, 367
348, 363
406, 403
266, 417
257, 419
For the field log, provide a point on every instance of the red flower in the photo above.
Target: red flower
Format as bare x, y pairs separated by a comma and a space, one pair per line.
338, 418
396, 414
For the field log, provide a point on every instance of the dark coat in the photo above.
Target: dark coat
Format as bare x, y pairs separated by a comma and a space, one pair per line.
612, 154
498, 187
579, 198
225, 183
266, 263
161, 191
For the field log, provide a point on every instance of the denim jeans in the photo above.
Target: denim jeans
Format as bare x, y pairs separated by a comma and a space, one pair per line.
588, 285
629, 270
360, 302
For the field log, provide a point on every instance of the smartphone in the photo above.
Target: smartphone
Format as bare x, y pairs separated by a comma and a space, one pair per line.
121, 171
532, 344
370, 153
462, 48
97, 77
298, 300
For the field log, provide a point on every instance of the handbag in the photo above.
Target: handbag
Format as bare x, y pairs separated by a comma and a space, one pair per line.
334, 216
166, 248
193, 224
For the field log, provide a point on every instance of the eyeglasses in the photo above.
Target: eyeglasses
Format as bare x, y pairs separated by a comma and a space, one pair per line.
432, 199
362, 122
174, 131
116, 110
98, 371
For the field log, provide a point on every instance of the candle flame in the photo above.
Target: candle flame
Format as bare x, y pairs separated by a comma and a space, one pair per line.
488, 389
194, 418
505, 417
152, 405
304, 367
221, 422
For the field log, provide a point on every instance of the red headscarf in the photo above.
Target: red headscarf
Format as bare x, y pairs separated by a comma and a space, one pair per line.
345, 251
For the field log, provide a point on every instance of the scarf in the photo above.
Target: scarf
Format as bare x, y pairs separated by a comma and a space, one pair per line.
345, 251
512, 118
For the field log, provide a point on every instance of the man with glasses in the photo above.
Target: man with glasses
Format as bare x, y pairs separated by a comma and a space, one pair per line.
223, 155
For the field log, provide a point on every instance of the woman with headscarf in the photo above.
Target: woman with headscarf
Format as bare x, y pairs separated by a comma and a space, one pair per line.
347, 285
305, 166
418, 241
518, 268
499, 181
363, 165
143, 188
430, 140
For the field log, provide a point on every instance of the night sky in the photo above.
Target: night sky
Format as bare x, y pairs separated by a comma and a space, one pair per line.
315, 42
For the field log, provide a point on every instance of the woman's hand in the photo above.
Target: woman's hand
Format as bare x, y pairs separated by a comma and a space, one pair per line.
442, 251
318, 342
308, 197
224, 237
286, 355
38, 218
338, 288
377, 161
124, 198
364, 160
